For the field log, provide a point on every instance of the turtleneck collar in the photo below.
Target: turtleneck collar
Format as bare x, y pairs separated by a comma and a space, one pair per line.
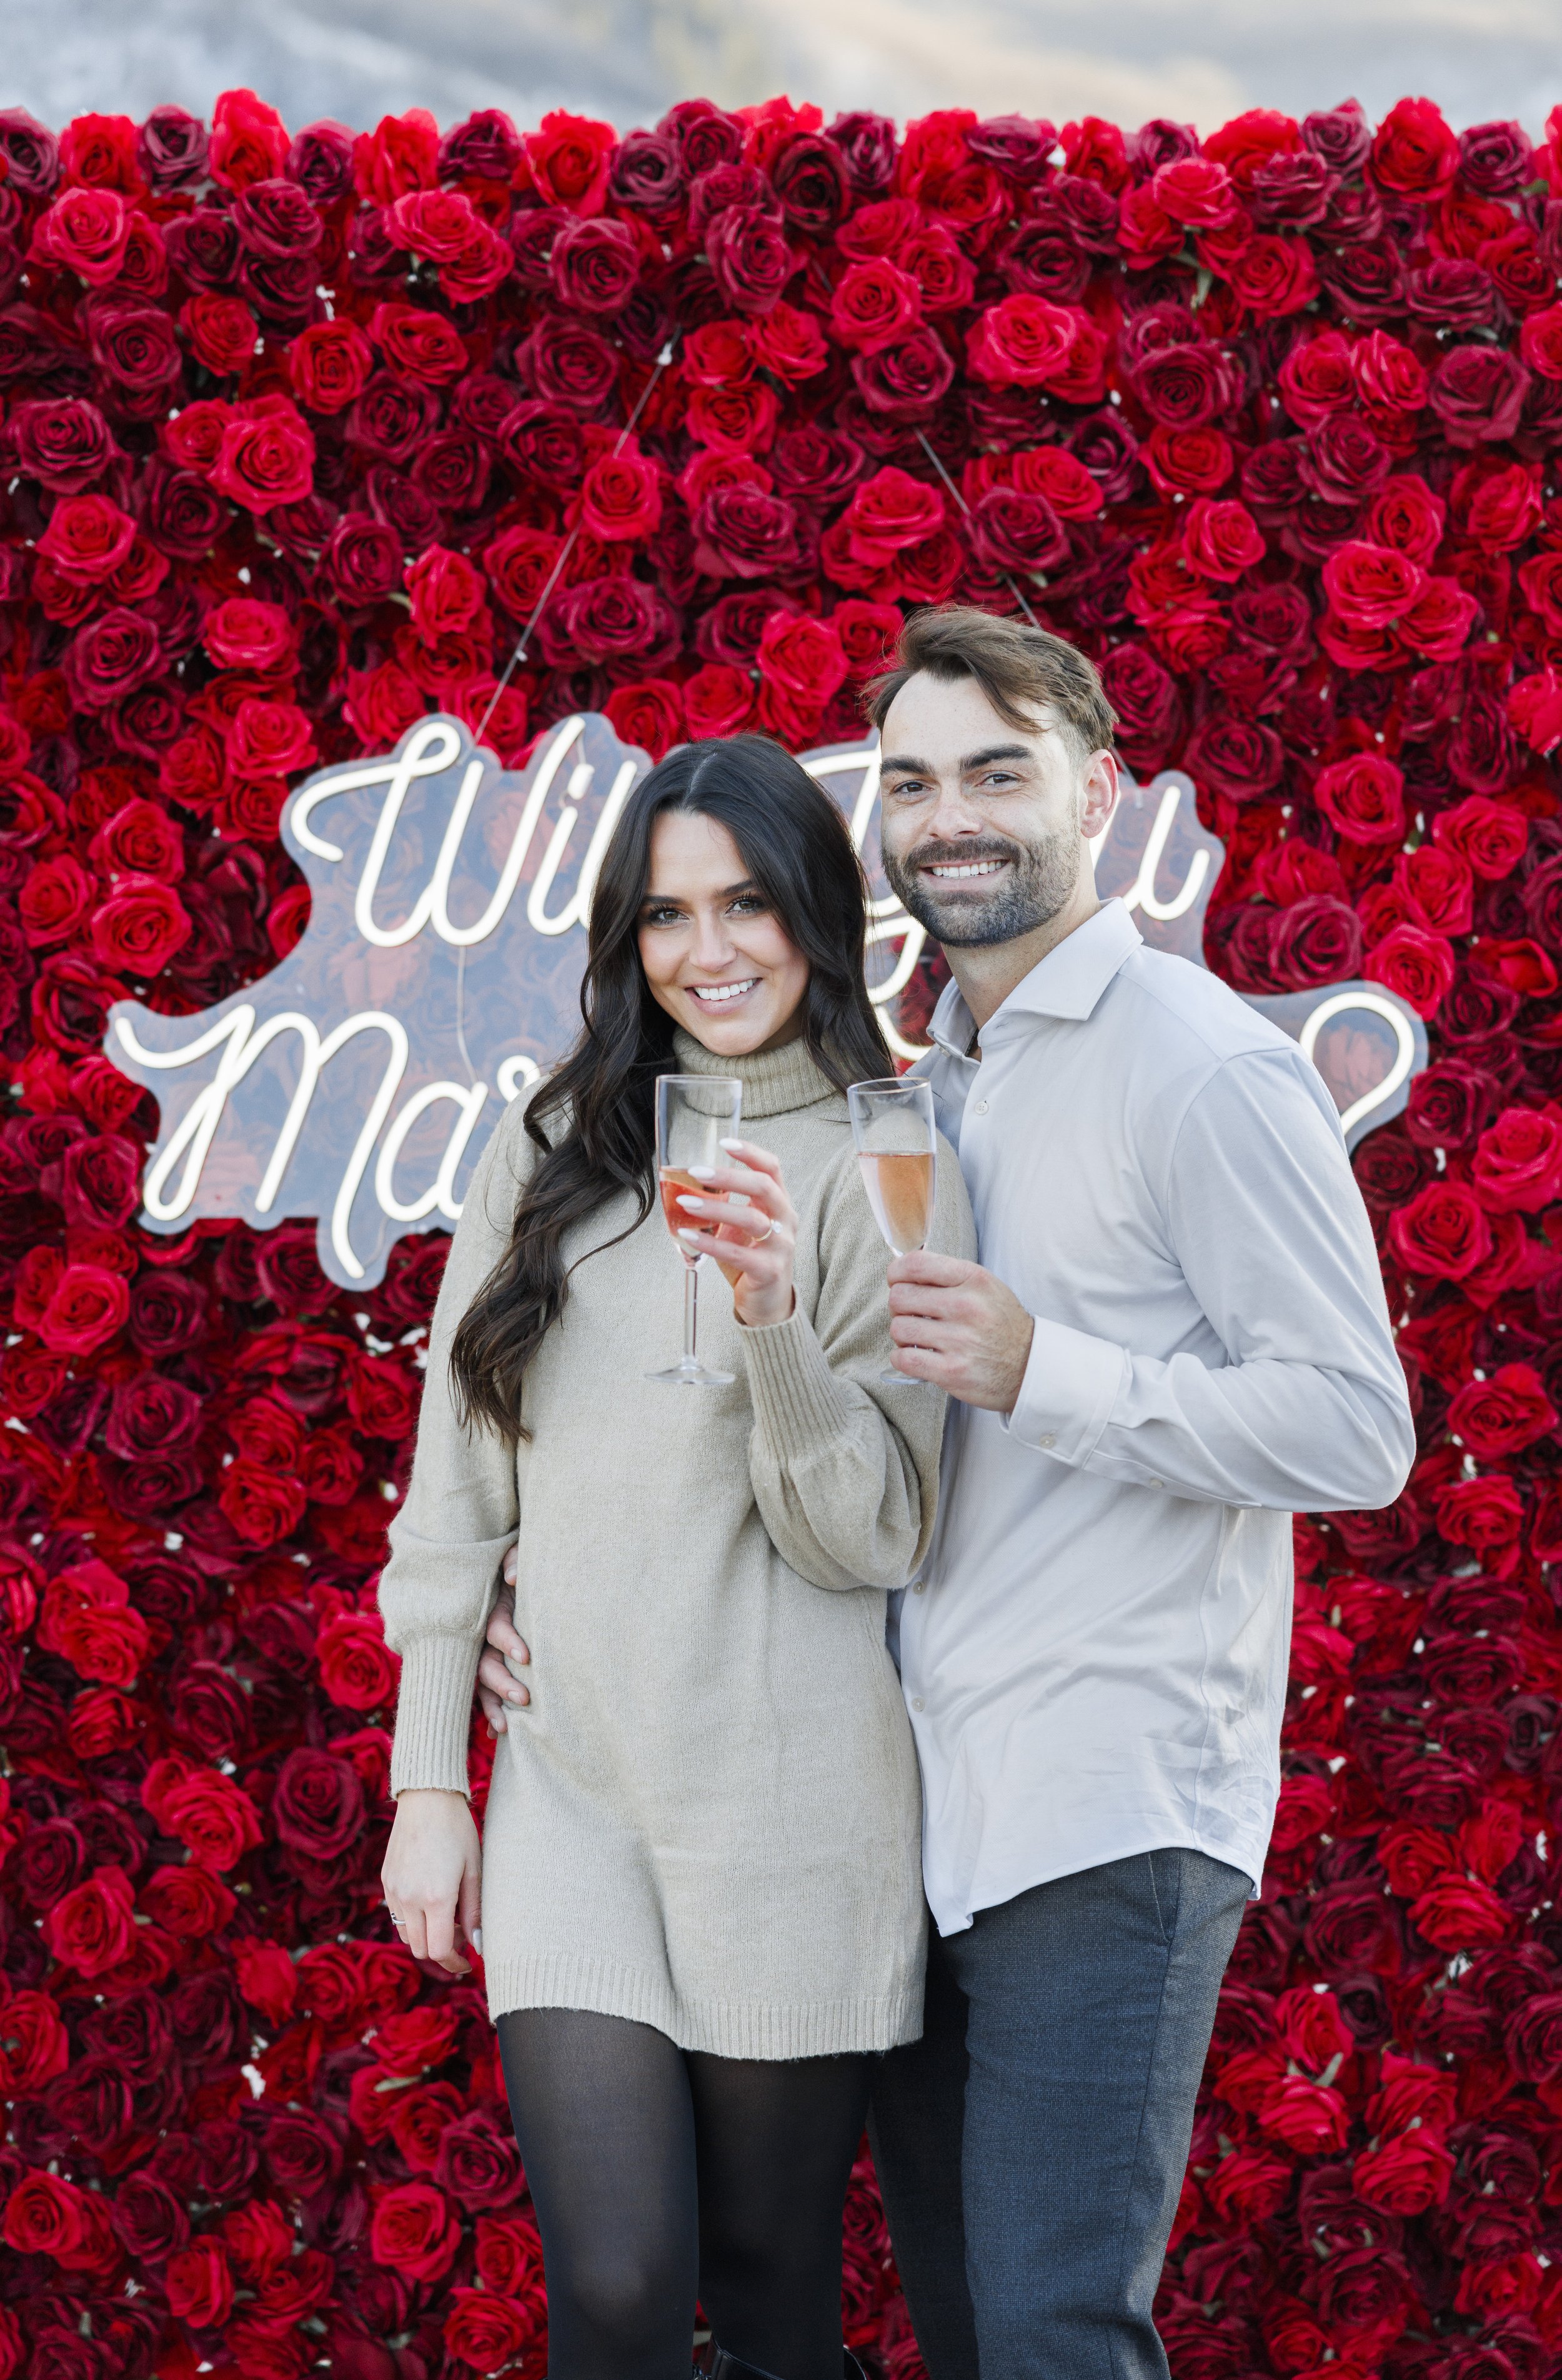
774, 1081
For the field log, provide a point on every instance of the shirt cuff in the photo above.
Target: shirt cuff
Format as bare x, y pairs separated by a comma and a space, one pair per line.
434, 1714
796, 1397
1071, 1384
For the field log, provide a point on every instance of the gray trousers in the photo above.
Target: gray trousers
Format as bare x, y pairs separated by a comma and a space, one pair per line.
1030, 2147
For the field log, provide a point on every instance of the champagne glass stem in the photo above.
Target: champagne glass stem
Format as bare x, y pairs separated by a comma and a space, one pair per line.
690, 1314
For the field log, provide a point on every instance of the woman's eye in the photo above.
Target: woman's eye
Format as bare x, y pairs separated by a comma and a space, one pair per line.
663, 915
748, 904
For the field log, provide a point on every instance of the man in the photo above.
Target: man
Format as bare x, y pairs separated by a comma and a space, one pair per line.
1177, 1336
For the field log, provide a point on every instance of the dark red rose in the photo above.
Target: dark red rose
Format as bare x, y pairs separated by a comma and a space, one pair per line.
571, 364
594, 265
1317, 940
1237, 757
1478, 395
479, 2164
867, 143
64, 443
749, 257
318, 1804
742, 532
1013, 529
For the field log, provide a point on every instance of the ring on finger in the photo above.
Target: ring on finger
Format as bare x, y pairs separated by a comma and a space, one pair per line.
761, 1237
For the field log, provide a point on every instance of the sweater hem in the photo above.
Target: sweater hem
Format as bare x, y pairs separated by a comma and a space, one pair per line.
756, 2029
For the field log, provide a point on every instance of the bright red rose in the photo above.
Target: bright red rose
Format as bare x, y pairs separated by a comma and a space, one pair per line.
1414, 150
1416, 964
889, 512
874, 305
266, 455
1363, 798
1404, 2176
85, 1308
1534, 706
424, 347
718, 700
414, 2231
268, 739
1303, 2116
199, 2281
86, 231
485, 2331
648, 712
46, 2216
329, 365
1441, 1231
358, 1670
1502, 1414
188, 1902
137, 930
621, 496
1023, 342
1517, 1163
248, 140
93, 1928
570, 158
446, 593
1221, 540
88, 538
223, 331
1372, 586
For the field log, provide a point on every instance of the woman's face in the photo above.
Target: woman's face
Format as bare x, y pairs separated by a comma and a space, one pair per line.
715, 954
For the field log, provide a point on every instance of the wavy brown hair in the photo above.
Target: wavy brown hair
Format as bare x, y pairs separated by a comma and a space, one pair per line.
593, 1121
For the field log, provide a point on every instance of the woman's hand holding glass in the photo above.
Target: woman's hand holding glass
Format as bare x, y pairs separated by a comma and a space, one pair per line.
743, 1220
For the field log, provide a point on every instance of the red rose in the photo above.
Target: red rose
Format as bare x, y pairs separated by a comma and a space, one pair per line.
571, 158
1457, 1913
1220, 540
46, 2216
86, 231
93, 1928
888, 512
188, 1902
137, 930
875, 304
1414, 150
749, 257
1371, 586
1441, 1231
1419, 965
1502, 1414
648, 714
1519, 1161
248, 140
485, 2330
400, 154
414, 2231
268, 739
425, 346
1305, 2117
266, 455
198, 2283
57, 897
1534, 706
111, 656
718, 700
621, 496
87, 1306
1478, 395
1024, 342
1363, 797
222, 331
358, 1670
88, 538
329, 366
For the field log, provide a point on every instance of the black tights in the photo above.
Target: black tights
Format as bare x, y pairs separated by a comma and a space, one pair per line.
662, 2176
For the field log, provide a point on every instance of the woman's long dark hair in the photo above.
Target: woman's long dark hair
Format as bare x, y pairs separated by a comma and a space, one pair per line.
796, 847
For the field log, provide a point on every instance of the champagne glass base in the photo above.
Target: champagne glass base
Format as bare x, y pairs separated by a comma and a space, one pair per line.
692, 1376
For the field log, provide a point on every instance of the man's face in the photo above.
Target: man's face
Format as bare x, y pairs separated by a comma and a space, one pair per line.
984, 824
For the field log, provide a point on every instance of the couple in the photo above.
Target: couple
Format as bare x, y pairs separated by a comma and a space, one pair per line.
701, 1909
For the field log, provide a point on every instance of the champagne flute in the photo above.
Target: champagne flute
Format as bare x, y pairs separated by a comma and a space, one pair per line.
892, 1122
694, 1114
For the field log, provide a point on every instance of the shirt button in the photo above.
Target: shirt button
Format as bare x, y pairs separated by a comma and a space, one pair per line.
981, 1107
916, 1702
921, 1587
1047, 1440
1157, 1483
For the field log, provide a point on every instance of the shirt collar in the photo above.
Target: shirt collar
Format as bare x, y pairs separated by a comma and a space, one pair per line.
1066, 983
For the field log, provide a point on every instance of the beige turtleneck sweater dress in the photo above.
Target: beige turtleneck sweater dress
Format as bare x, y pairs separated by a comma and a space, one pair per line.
708, 1818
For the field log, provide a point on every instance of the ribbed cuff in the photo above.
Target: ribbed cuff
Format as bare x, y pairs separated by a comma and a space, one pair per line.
434, 1714
798, 1400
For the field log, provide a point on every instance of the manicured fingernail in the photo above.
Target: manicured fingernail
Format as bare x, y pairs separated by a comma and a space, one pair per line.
477, 1939
513, 1694
496, 1726
695, 1206
726, 1144
703, 1173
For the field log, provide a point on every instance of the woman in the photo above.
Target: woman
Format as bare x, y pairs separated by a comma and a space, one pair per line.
702, 1911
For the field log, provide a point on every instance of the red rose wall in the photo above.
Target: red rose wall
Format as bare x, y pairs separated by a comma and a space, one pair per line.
296, 426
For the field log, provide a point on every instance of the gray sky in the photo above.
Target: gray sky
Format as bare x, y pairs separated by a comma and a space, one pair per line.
627, 59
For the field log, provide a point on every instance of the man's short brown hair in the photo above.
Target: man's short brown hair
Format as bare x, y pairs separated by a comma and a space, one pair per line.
1025, 674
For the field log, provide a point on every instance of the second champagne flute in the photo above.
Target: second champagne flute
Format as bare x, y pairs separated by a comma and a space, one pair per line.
694, 1114
897, 1136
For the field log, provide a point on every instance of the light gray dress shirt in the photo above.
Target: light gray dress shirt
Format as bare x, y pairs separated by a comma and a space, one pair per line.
1094, 1654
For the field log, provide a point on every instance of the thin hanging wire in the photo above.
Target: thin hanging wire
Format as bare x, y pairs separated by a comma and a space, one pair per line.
1012, 584
662, 360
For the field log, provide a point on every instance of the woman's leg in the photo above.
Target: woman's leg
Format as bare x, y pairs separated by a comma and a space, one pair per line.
775, 2140
602, 2111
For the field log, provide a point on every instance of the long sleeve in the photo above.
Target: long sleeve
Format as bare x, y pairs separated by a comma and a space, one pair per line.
845, 1470
1307, 1411
461, 1510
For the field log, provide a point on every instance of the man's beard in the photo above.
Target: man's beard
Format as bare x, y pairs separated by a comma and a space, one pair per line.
970, 913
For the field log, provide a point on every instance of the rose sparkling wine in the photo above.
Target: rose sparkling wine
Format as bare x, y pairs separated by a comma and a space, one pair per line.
694, 1114
892, 1122
677, 1183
